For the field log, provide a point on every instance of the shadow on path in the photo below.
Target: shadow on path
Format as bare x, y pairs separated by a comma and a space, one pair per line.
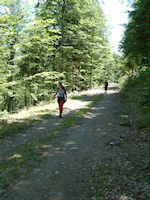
68, 164
43, 125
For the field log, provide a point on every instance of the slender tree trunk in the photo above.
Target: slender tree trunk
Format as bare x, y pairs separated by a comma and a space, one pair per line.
91, 73
26, 96
62, 35
10, 79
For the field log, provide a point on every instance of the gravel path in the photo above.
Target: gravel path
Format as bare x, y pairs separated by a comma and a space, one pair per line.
9, 144
70, 162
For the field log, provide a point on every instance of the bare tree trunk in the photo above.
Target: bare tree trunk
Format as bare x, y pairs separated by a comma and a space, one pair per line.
10, 79
91, 73
62, 35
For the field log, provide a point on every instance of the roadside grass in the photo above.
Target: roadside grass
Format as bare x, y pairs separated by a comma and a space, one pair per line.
19, 163
137, 90
14, 124
79, 97
19, 126
75, 117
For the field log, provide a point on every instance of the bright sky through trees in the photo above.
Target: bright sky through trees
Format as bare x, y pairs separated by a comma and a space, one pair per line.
116, 15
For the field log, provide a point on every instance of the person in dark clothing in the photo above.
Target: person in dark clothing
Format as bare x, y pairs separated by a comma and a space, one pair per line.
61, 98
106, 86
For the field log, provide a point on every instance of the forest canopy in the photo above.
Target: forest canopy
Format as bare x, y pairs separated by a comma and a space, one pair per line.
135, 44
62, 40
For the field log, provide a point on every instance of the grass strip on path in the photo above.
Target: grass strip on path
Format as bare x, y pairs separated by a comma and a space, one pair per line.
19, 122
19, 126
19, 163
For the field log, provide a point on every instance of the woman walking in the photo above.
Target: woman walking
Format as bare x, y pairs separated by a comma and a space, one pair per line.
61, 97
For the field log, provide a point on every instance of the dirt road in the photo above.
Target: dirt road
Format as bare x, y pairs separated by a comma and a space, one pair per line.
70, 162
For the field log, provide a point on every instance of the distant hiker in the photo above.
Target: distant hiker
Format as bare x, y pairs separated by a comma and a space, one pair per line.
61, 97
106, 86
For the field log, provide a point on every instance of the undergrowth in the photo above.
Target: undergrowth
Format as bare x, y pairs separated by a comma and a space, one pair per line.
14, 125
137, 89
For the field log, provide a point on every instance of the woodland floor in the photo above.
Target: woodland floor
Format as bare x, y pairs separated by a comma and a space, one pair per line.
103, 156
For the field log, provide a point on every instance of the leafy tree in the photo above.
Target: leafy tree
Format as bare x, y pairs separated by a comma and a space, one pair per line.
12, 23
136, 40
83, 40
64, 40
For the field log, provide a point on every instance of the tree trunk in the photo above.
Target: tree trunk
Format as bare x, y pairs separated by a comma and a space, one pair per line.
91, 73
62, 35
10, 79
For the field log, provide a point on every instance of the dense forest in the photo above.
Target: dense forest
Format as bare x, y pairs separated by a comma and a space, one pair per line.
136, 41
68, 41
61, 40
135, 47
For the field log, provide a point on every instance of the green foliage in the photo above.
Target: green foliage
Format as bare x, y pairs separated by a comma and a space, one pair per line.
137, 88
65, 40
136, 40
136, 48
116, 68
83, 47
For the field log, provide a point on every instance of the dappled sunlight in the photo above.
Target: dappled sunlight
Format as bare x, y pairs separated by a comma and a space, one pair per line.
57, 149
72, 145
46, 146
124, 116
50, 108
33, 111
47, 123
99, 108
91, 115
124, 197
15, 156
52, 150
111, 92
41, 128
76, 104
51, 154
98, 129
46, 154
69, 143
88, 92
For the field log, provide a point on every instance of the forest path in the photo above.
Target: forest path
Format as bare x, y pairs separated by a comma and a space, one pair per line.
9, 145
70, 162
